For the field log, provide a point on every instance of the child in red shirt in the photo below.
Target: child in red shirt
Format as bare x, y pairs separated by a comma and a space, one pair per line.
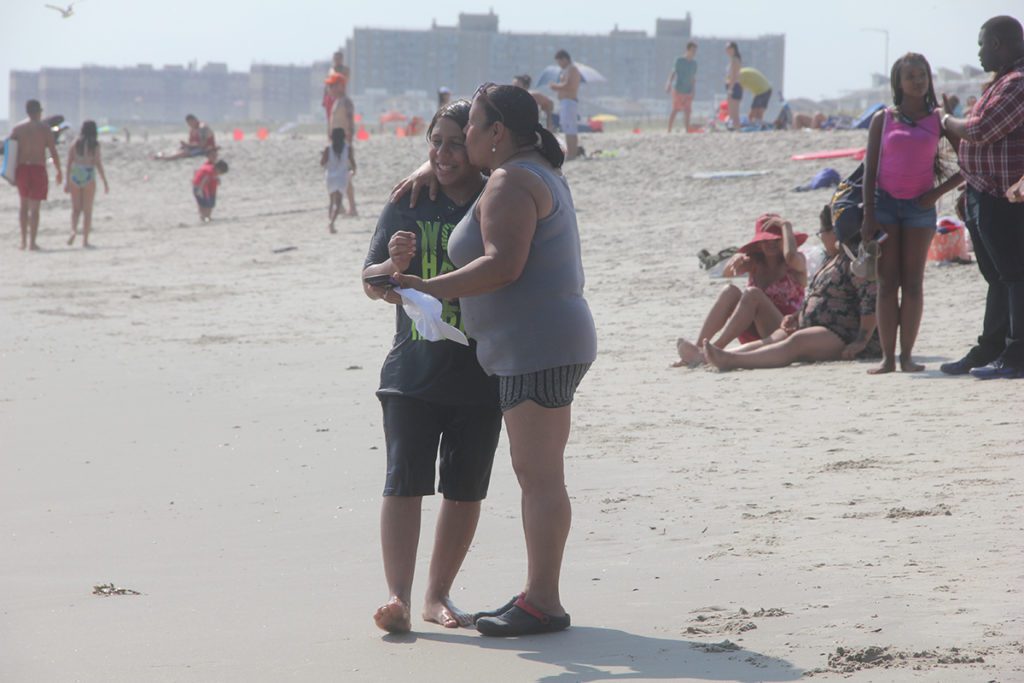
204, 187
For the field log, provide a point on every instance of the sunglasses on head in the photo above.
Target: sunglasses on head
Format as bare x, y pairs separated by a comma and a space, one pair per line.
481, 94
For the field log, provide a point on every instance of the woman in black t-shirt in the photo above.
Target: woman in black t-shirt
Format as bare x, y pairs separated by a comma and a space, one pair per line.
431, 392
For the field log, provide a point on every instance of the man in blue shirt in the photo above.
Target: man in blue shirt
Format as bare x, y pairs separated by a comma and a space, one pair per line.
681, 83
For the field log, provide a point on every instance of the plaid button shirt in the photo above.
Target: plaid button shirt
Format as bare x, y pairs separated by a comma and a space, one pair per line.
992, 152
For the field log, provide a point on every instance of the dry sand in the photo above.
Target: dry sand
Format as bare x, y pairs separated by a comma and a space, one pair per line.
190, 415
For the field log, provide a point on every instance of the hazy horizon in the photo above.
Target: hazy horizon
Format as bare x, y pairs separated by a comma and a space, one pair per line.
118, 33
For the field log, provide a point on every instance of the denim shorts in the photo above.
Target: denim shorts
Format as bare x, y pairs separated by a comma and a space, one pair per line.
902, 212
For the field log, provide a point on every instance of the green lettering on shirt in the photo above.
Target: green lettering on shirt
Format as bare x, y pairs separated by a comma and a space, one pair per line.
430, 233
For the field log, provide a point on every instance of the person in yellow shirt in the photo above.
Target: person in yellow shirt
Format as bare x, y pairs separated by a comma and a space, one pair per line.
753, 80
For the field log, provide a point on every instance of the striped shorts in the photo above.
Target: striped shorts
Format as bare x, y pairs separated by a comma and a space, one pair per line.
549, 388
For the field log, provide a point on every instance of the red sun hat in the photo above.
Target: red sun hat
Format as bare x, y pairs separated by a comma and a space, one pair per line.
771, 232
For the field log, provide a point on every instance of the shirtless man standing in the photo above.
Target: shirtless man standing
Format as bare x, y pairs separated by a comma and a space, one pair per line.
341, 114
568, 87
34, 139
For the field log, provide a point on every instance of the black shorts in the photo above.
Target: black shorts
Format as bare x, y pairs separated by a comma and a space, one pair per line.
468, 437
203, 201
737, 92
761, 101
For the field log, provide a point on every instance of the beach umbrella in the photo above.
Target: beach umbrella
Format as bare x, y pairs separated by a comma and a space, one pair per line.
588, 74
604, 118
392, 116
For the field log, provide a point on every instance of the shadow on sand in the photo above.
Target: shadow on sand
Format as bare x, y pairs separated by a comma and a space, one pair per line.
588, 653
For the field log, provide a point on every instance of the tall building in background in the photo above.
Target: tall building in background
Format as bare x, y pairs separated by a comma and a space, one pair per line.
636, 64
395, 69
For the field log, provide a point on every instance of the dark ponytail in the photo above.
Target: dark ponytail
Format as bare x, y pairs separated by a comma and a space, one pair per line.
518, 111
88, 139
549, 147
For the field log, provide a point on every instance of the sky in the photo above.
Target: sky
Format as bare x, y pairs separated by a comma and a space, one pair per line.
827, 49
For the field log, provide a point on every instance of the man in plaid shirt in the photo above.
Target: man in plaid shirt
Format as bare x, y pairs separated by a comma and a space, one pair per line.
991, 152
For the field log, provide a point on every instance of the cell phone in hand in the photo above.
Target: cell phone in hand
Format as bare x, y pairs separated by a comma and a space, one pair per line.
881, 236
381, 281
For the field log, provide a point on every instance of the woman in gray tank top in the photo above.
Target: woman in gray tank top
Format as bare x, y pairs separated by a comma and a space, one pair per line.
520, 285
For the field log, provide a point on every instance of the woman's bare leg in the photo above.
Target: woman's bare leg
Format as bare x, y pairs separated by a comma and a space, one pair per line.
914, 257
754, 309
333, 210
399, 537
537, 438
88, 197
456, 525
808, 345
721, 310
350, 192
76, 209
734, 113
888, 309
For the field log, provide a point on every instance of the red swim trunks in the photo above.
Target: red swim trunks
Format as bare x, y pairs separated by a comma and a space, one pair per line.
32, 181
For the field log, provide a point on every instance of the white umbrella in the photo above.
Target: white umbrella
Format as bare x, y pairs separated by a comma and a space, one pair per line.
588, 74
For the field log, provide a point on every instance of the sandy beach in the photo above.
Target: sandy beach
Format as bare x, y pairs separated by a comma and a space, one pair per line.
188, 411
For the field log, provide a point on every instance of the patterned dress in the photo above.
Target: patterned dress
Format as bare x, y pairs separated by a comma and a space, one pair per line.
836, 300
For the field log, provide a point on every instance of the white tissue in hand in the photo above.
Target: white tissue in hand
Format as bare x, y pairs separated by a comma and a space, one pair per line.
425, 311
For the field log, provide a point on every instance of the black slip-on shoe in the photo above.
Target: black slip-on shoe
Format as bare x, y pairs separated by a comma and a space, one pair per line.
523, 619
498, 612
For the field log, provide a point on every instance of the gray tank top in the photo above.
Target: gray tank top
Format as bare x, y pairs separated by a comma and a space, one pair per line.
541, 320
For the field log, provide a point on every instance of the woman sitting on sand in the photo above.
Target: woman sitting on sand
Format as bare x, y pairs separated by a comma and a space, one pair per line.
431, 392
836, 322
776, 277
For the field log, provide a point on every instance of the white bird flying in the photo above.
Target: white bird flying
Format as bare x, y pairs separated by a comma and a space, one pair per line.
65, 12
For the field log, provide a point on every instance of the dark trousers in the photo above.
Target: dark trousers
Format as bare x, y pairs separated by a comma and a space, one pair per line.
997, 230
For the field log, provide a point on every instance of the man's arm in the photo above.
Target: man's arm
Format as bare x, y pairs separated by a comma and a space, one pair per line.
1003, 113
51, 144
668, 83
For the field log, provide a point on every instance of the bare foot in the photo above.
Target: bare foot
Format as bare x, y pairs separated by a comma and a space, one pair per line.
446, 614
23, 246
393, 616
71, 240
907, 364
885, 368
690, 354
720, 358
352, 212
34, 247
331, 228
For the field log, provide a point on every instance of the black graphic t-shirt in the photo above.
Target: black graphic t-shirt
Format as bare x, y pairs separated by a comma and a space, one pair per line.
443, 371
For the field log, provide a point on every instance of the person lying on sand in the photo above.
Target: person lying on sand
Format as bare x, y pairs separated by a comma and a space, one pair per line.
776, 276
836, 322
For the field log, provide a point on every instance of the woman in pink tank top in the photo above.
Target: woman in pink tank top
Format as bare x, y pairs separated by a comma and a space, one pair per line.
899, 204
